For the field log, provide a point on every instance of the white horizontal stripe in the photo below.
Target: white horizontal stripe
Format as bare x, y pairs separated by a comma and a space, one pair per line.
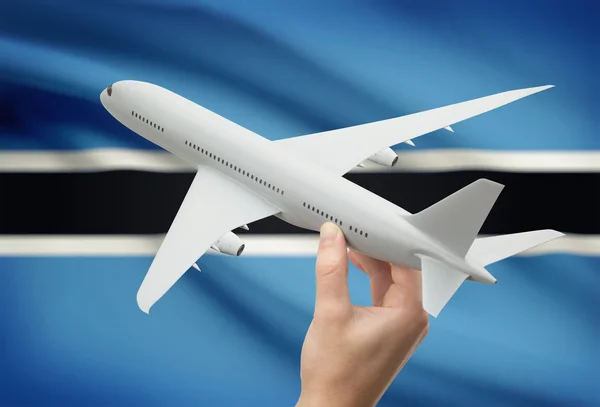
509, 161
107, 159
256, 245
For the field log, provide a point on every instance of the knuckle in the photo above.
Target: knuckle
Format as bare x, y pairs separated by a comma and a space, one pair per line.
327, 266
399, 315
415, 317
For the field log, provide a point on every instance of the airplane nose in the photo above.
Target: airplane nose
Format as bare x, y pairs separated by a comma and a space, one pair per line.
103, 97
106, 94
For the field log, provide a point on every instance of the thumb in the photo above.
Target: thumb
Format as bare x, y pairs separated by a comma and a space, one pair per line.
333, 297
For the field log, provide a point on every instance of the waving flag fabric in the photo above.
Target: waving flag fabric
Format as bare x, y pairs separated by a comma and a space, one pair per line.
84, 201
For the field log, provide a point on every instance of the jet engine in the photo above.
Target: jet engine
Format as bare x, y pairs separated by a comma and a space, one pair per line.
385, 157
229, 244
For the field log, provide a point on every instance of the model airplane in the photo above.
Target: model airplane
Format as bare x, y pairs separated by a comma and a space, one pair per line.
242, 177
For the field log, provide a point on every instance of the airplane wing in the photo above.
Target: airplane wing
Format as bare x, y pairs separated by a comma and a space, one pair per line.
342, 149
213, 206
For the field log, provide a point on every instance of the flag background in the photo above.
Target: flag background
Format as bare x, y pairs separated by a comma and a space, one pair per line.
70, 330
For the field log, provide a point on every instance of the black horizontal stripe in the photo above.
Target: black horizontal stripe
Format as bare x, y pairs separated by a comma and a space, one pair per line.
130, 202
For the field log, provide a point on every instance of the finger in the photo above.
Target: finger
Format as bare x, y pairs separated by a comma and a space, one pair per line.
406, 289
333, 296
379, 273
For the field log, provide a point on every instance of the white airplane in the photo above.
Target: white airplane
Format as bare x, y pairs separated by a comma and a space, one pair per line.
242, 177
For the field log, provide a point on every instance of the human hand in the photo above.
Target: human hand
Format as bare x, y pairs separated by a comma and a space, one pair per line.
352, 354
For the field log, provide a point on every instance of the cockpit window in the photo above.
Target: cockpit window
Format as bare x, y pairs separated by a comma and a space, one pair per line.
109, 90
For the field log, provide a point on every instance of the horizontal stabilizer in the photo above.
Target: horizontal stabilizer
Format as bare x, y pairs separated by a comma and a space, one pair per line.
488, 250
440, 282
456, 220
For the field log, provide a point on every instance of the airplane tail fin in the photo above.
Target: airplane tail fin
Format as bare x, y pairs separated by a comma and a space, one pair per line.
488, 250
455, 220
440, 281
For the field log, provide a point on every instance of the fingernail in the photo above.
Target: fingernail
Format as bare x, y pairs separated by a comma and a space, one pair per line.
329, 233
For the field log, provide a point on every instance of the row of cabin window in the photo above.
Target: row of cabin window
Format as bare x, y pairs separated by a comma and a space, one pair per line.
355, 230
320, 212
331, 218
139, 116
233, 167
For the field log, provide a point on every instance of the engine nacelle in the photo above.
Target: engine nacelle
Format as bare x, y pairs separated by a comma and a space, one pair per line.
229, 244
385, 157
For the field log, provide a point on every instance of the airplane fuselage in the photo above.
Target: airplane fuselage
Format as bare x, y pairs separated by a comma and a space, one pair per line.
306, 194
